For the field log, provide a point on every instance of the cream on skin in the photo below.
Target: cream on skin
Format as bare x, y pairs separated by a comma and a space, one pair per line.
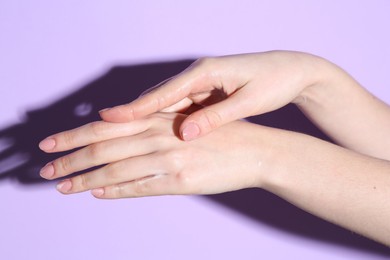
345, 184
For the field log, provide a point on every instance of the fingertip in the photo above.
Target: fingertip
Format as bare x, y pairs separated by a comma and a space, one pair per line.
64, 186
105, 114
47, 144
116, 114
103, 110
48, 171
190, 131
97, 193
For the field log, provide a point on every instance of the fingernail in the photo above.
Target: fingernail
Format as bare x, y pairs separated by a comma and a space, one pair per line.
103, 110
47, 144
97, 192
64, 186
47, 171
190, 132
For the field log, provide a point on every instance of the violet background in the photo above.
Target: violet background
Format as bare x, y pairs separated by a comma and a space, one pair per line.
49, 49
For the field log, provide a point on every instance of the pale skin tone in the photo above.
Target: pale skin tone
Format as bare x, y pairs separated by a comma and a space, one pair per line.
144, 154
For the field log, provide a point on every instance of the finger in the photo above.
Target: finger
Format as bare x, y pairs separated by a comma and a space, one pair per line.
112, 174
207, 119
178, 107
98, 154
155, 87
90, 133
161, 184
167, 95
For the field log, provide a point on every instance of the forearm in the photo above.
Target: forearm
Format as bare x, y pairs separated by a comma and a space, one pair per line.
338, 185
345, 111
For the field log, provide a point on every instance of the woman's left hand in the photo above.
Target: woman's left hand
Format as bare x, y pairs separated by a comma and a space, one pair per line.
147, 157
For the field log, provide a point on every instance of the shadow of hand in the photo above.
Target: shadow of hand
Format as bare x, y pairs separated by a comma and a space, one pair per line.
21, 159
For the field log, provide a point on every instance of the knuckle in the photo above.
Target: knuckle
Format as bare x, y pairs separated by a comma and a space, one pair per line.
141, 187
96, 128
68, 138
211, 118
122, 190
160, 138
184, 182
179, 165
114, 171
83, 182
119, 191
95, 151
65, 164
175, 159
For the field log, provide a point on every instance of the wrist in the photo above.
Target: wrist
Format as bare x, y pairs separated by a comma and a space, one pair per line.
282, 152
316, 76
324, 84
277, 152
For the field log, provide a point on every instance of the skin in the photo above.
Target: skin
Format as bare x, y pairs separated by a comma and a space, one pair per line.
143, 152
238, 86
148, 158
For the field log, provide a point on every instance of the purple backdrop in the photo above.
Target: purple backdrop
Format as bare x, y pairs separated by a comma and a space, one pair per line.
50, 49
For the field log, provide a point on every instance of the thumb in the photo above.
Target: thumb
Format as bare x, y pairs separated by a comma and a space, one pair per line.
164, 95
211, 117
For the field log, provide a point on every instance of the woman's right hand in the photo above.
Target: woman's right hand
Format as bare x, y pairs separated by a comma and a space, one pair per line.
227, 88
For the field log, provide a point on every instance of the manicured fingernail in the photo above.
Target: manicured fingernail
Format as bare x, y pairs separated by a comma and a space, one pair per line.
47, 144
103, 110
64, 186
191, 131
97, 192
47, 171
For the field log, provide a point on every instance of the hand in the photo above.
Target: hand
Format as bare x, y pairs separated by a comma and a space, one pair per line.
228, 88
146, 157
